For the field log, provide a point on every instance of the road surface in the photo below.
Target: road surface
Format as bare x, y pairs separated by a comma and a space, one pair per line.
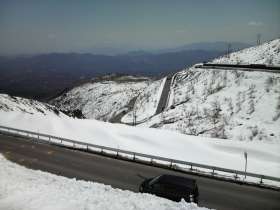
128, 175
164, 95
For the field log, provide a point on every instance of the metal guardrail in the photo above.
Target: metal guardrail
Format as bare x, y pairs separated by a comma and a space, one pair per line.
135, 155
251, 68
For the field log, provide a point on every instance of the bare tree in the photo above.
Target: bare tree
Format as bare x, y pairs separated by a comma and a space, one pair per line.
230, 106
259, 39
277, 116
225, 79
228, 49
134, 116
268, 83
251, 106
216, 111
251, 96
238, 102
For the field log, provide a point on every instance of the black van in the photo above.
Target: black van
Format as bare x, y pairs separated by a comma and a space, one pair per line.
171, 187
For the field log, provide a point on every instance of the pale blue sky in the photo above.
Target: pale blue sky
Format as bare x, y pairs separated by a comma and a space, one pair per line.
39, 26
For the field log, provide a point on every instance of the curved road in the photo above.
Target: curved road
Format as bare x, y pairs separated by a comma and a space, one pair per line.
127, 175
164, 95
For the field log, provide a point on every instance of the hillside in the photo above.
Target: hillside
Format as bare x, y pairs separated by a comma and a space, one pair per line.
268, 53
226, 104
27, 106
104, 98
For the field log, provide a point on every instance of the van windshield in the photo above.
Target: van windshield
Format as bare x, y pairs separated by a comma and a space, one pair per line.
154, 180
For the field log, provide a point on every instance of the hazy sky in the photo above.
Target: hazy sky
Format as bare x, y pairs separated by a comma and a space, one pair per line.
37, 26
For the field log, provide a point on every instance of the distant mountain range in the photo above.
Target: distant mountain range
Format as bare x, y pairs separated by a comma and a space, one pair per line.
207, 46
42, 76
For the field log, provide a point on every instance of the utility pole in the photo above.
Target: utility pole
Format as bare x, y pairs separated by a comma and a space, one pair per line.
246, 157
228, 49
259, 39
134, 116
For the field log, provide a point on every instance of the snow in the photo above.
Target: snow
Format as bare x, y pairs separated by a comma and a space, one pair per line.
267, 53
146, 103
222, 114
264, 157
26, 189
101, 99
249, 101
11, 103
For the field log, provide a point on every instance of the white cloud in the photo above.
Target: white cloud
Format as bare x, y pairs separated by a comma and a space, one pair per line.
255, 23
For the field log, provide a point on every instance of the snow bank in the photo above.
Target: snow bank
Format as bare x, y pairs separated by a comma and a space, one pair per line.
25, 189
263, 158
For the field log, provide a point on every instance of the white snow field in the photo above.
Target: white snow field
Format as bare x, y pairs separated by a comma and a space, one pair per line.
263, 156
26, 189
227, 104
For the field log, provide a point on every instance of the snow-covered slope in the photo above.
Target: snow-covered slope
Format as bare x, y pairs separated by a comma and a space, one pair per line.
146, 103
209, 102
104, 98
26, 189
17, 104
227, 104
267, 53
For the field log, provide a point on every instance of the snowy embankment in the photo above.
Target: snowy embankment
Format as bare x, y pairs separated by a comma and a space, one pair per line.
26, 189
146, 103
263, 157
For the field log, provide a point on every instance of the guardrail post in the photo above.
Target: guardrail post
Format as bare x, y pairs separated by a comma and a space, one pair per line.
261, 182
49, 139
151, 161
61, 141
191, 168
134, 156
87, 147
171, 164
117, 153
74, 144
213, 171
235, 176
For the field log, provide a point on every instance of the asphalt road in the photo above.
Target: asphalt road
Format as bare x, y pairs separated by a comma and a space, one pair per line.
164, 95
127, 175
